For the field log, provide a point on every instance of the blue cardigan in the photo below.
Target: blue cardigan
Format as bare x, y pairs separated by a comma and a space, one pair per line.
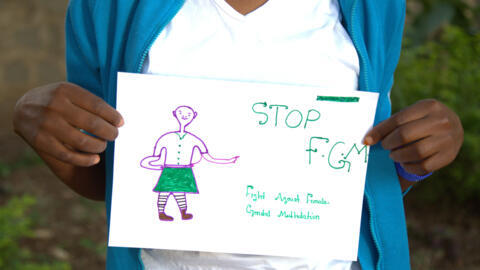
107, 36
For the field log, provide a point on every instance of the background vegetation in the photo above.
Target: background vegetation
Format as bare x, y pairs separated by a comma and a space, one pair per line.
52, 228
441, 59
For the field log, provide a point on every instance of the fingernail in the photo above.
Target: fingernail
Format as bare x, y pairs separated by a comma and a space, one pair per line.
96, 160
368, 140
122, 122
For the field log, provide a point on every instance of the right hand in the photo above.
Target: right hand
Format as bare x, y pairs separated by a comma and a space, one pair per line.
50, 118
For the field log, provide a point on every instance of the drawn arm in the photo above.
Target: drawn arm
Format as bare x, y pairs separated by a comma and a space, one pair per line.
200, 145
211, 159
157, 160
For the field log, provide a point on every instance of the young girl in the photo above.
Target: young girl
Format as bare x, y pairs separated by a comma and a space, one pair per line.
332, 44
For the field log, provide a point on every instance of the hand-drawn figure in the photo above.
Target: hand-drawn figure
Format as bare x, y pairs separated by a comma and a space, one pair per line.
173, 155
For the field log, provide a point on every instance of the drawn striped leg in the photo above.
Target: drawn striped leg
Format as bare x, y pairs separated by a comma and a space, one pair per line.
161, 202
182, 204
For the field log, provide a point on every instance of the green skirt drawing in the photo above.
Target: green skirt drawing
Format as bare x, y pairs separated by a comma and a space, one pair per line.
176, 180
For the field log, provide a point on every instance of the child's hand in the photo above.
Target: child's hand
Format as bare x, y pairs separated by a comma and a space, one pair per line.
50, 117
423, 137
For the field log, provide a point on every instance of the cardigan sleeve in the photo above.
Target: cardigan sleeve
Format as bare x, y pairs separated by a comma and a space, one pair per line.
81, 50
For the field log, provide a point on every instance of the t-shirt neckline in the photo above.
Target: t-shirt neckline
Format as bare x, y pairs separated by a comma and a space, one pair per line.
228, 9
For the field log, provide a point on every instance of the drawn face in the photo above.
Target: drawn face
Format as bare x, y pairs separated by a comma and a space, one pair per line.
184, 115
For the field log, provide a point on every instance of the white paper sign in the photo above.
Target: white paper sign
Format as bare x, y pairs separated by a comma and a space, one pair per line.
260, 168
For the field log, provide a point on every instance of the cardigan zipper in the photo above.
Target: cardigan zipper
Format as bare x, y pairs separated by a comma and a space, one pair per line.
371, 217
355, 42
147, 49
143, 56
371, 221
152, 40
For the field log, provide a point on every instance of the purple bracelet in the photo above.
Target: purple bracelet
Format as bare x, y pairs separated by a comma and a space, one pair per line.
410, 176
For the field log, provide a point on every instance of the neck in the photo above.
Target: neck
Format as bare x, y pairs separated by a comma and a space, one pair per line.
245, 6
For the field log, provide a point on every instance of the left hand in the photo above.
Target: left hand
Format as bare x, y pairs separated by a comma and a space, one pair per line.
423, 137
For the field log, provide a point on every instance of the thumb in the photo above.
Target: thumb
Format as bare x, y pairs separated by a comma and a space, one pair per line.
378, 132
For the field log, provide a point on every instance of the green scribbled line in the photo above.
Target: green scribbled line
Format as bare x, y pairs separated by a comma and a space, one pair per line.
338, 99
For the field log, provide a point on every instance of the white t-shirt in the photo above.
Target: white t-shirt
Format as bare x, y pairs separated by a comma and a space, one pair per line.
283, 41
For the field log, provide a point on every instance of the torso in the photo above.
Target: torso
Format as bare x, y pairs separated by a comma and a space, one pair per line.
212, 39
179, 148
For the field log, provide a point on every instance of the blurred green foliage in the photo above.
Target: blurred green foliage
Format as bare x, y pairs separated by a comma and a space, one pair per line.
28, 159
97, 248
441, 60
428, 17
15, 225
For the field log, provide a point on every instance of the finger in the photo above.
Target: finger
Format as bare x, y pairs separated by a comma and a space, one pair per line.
412, 131
89, 122
377, 133
67, 134
419, 150
428, 165
50, 145
96, 106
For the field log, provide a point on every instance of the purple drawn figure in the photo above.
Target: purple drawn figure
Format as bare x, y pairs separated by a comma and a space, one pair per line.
173, 155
